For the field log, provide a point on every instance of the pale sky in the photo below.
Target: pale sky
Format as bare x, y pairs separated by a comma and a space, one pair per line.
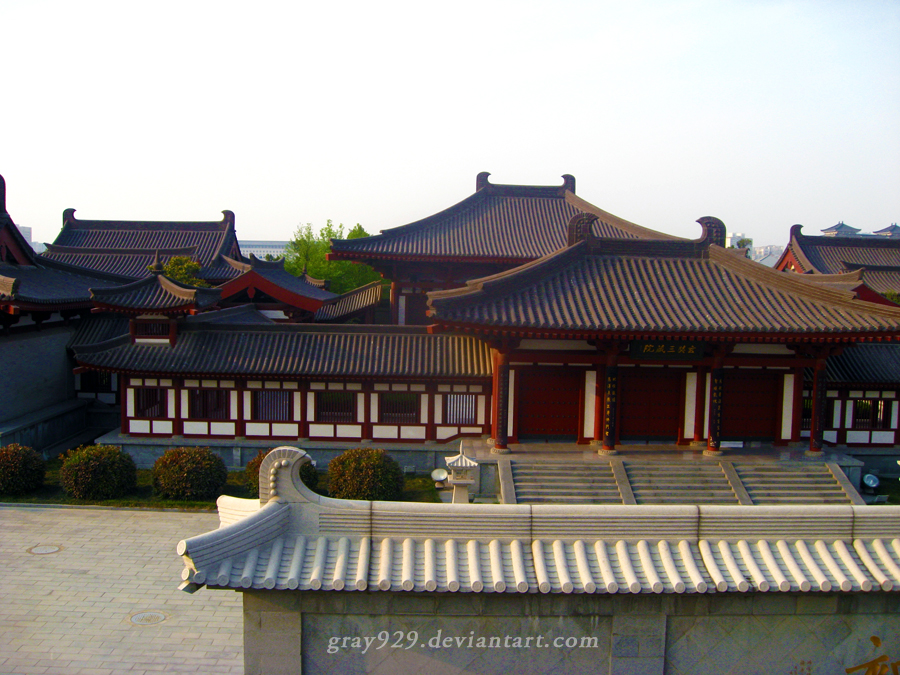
762, 113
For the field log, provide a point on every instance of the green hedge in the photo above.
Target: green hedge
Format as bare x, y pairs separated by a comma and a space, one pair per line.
22, 470
365, 473
98, 472
189, 474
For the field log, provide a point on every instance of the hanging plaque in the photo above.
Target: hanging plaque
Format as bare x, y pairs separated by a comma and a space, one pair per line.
659, 350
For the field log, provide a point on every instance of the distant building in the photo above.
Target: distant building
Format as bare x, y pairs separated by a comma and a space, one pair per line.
261, 249
731, 240
26, 233
767, 255
892, 231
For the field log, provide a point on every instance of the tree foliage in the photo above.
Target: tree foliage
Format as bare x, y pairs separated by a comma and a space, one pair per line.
182, 268
307, 252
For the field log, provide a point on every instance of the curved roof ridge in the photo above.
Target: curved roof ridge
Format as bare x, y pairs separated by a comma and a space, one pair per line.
69, 220
796, 284
639, 231
89, 250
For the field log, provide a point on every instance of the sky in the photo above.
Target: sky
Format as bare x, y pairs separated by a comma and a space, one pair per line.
762, 113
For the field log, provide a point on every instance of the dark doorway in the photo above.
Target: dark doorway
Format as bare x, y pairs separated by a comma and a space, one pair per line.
549, 403
751, 404
650, 403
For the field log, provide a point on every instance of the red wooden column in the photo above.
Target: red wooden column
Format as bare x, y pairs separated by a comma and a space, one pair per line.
610, 403
501, 403
713, 442
818, 422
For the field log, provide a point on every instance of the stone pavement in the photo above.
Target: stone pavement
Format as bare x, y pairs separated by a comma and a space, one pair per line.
70, 612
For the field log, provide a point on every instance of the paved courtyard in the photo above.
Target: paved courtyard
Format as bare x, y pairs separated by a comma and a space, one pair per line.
71, 611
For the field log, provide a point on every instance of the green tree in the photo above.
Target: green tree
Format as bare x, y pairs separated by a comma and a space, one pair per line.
307, 251
182, 268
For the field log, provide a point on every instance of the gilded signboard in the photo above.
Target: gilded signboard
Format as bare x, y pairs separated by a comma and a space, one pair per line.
666, 351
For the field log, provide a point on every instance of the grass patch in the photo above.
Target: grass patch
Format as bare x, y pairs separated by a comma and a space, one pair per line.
891, 488
416, 489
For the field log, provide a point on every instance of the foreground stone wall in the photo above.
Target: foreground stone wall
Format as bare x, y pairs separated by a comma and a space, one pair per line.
315, 632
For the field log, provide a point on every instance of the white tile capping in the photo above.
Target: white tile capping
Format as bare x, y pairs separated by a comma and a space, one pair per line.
492, 548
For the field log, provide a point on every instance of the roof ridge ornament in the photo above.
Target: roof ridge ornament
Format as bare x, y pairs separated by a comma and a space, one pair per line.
157, 266
579, 228
481, 180
714, 230
3, 195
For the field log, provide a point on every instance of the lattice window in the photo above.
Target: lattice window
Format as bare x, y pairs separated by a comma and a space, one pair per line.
208, 404
271, 405
153, 329
871, 413
460, 409
335, 406
150, 402
398, 407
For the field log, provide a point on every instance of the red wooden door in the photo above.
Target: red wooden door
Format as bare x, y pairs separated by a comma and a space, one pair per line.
650, 403
549, 401
751, 404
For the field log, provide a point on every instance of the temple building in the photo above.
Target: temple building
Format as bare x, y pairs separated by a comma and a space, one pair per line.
493, 230
863, 387
616, 336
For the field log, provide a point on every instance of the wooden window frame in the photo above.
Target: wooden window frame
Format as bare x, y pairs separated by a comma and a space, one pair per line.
399, 407
455, 407
144, 406
328, 411
260, 409
209, 404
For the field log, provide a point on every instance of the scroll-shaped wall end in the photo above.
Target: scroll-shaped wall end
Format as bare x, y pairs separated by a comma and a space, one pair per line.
279, 476
481, 180
713, 230
580, 228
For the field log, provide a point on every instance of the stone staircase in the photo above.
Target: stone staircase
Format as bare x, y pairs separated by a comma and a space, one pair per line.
560, 483
618, 481
780, 484
679, 483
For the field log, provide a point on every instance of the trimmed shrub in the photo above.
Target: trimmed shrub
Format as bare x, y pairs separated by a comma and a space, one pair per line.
21, 470
189, 474
308, 474
365, 473
98, 472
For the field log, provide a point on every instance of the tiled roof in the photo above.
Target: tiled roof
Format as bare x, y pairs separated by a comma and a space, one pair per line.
300, 350
273, 271
831, 255
645, 287
155, 293
865, 364
350, 303
242, 314
98, 328
841, 229
498, 222
49, 284
299, 540
128, 247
